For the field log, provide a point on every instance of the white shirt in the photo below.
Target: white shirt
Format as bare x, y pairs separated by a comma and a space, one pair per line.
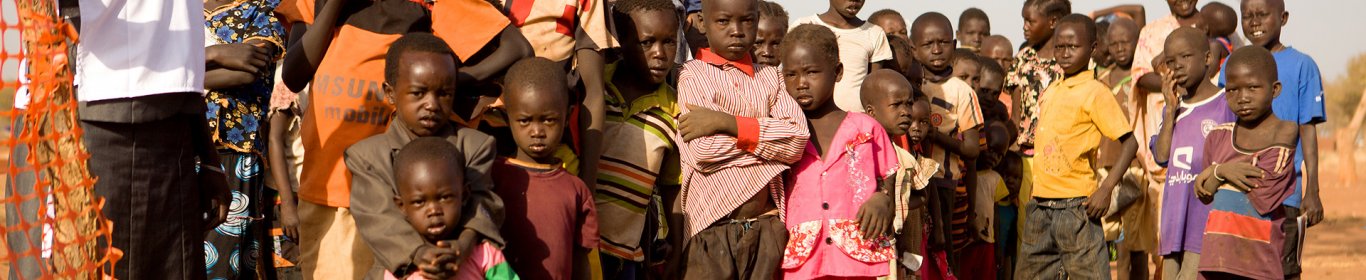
132, 48
858, 48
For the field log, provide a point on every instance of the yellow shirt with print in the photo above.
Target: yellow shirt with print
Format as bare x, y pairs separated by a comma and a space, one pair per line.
1074, 113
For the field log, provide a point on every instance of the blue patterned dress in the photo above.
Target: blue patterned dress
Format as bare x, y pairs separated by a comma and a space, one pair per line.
236, 248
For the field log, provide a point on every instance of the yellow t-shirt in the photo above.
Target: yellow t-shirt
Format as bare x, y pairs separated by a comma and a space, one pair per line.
1073, 114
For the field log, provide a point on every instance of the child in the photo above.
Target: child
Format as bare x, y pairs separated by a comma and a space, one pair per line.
1301, 102
1248, 175
429, 176
973, 27
902, 60
739, 130
1223, 22
1139, 223
967, 67
999, 49
888, 97
841, 190
554, 222
639, 175
1075, 113
342, 60
891, 22
1033, 71
989, 85
955, 135
1194, 104
863, 48
772, 29
1121, 40
1007, 235
419, 74
1151, 38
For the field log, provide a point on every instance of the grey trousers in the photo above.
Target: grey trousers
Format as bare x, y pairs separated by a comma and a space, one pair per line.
1060, 242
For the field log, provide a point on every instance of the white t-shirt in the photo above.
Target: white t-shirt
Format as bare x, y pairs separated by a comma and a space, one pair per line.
132, 48
859, 47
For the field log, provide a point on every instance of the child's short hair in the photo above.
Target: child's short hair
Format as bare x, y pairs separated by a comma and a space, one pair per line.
971, 14
963, 54
883, 13
1254, 58
535, 72
990, 66
1088, 26
815, 36
626, 7
414, 42
775, 11
427, 149
1051, 8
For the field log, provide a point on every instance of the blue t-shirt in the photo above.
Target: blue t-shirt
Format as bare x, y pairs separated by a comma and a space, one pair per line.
1301, 100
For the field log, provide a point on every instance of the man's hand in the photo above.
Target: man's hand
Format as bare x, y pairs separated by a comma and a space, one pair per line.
875, 216
240, 56
436, 262
215, 196
1313, 209
1099, 202
702, 122
1238, 174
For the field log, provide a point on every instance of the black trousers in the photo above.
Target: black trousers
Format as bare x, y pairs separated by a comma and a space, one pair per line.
146, 173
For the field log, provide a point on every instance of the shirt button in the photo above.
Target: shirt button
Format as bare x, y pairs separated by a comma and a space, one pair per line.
822, 174
829, 241
825, 206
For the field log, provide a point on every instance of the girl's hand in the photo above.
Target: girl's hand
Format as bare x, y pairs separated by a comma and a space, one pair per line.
875, 216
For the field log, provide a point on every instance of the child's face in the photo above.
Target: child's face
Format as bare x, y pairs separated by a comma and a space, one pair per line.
1262, 22
1101, 55
655, 45
969, 71
893, 111
766, 41
1250, 91
847, 8
809, 77
430, 196
1038, 28
424, 91
1122, 42
537, 122
1072, 47
730, 26
989, 87
894, 25
1182, 8
933, 47
920, 122
1187, 61
1001, 53
972, 31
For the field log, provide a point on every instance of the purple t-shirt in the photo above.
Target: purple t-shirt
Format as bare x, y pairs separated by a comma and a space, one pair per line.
1183, 215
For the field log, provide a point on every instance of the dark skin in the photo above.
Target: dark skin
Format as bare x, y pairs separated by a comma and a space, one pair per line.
233, 65
766, 41
893, 24
843, 14
990, 86
1184, 80
968, 70
1122, 41
1250, 90
1262, 23
1187, 15
1133, 12
972, 31
422, 95
1038, 31
1222, 20
888, 100
998, 48
430, 195
1073, 47
931, 45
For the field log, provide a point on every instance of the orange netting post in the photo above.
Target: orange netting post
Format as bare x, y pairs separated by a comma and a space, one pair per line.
47, 168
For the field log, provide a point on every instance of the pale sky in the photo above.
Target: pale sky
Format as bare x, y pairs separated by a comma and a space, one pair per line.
1317, 28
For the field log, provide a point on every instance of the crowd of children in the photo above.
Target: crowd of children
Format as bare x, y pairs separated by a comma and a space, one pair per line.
717, 139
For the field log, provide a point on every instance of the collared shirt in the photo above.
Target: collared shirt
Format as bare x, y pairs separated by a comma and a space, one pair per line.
1031, 74
643, 157
113, 59
914, 174
721, 172
1073, 115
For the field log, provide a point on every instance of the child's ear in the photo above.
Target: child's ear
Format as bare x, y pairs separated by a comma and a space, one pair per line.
1275, 89
1285, 17
868, 109
388, 93
839, 71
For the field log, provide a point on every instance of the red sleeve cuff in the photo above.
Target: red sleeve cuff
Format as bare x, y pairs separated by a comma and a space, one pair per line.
746, 133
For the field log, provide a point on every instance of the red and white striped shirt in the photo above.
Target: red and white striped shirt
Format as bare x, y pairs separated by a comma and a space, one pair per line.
721, 172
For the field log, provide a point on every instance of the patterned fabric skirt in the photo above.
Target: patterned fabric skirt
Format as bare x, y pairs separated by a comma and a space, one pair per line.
234, 250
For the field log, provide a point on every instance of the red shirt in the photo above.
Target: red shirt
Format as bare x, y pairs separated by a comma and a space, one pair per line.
550, 214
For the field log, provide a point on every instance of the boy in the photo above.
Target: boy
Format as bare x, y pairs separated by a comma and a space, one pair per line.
419, 74
999, 49
1100, 57
1223, 23
888, 97
1138, 223
1194, 104
989, 85
1034, 69
1148, 83
1075, 113
739, 130
954, 136
554, 224
863, 48
639, 175
429, 176
973, 27
772, 29
341, 59
967, 67
1301, 101
891, 22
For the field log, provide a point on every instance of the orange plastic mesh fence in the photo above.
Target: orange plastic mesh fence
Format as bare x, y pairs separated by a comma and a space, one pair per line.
57, 182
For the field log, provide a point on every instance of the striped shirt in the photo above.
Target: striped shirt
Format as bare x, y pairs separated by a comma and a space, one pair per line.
642, 157
721, 172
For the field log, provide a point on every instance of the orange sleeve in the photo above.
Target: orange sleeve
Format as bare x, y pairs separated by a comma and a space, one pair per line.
747, 133
292, 11
466, 25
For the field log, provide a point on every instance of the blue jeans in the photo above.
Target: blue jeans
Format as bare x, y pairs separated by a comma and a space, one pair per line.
1060, 242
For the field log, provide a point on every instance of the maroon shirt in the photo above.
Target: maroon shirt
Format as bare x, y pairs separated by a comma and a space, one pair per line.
550, 214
